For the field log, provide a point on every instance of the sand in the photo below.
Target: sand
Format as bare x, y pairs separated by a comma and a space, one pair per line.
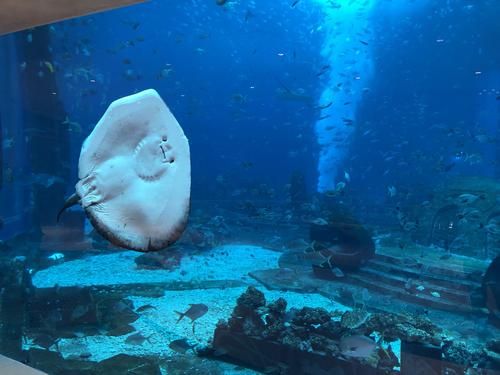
159, 324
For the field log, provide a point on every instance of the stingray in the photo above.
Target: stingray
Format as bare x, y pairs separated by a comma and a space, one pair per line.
135, 174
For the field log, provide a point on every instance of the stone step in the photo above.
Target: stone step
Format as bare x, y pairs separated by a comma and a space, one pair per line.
399, 293
442, 268
453, 295
417, 274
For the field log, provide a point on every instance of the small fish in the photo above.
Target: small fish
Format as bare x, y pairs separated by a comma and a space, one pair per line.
136, 339
144, 308
248, 15
435, 294
357, 346
337, 272
195, 311
323, 70
181, 346
340, 187
79, 312
294, 3
7, 143
347, 176
49, 66
391, 190
220, 2
324, 117
363, 42
324, 106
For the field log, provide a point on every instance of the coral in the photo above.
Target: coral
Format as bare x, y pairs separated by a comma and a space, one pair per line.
387, 360
459, 353
317, 330
354, 319
406, 327
246, 317
278, 307
251, 300
308, 316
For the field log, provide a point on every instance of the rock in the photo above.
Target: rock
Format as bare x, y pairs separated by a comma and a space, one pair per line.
252, 299
308, 316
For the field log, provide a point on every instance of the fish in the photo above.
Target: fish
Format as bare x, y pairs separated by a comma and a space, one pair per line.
324, 106
195, 311
49, 66
7, 143
181, 346
136, 339
79, 312
340, 187
220, 2
144, 308
337, 272
294, 3
357, 346
323, 70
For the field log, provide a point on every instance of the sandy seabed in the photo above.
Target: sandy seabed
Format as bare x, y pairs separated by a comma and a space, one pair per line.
159, 323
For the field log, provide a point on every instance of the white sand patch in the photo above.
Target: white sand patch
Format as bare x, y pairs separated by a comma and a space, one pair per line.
160, 323
229, 262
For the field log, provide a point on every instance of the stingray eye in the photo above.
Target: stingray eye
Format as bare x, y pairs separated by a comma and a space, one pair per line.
164, 138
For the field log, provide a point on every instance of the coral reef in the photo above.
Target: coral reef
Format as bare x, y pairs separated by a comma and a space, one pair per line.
353, 319
412, 328
356, 337
313, 330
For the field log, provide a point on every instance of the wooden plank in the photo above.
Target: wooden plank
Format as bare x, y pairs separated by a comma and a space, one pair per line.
10, 367
18, 15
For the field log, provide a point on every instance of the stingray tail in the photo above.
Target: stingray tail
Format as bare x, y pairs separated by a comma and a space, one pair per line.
71, 201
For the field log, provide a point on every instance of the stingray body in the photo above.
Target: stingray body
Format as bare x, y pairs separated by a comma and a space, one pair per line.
135, 174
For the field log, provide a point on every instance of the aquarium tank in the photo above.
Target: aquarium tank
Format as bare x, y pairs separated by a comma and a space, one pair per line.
250, 187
